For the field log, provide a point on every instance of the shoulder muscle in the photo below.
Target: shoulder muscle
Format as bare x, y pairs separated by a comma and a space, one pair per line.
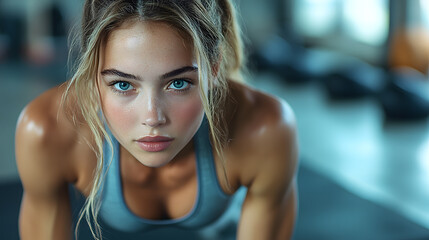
269, 143
38, 144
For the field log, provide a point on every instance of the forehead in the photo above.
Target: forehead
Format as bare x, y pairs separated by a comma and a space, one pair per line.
142, 29
137, 45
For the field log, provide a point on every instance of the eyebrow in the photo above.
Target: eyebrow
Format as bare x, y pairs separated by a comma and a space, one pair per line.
115, 72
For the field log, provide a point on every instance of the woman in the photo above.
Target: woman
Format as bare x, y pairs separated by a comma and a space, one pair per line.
155, 129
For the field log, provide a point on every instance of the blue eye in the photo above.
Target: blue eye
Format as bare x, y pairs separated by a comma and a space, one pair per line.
123, 86
179, 84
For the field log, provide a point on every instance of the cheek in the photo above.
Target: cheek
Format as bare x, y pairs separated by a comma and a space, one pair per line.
117, 115
186, 113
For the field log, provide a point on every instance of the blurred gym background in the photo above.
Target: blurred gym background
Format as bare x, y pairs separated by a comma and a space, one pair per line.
354, 71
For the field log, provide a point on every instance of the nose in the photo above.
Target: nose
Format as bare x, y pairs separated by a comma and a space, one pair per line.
154, 115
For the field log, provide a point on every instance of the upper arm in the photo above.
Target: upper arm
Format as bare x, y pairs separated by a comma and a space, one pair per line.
45, 207
269, 209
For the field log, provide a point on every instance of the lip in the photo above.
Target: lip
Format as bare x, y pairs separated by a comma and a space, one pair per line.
154, 143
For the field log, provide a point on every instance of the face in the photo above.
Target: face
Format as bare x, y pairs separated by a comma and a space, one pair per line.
148, 82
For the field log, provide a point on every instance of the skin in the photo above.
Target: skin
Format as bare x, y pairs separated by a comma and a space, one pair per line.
51, 151
150, 105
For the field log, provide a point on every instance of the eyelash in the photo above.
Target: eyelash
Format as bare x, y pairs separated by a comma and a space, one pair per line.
112, 86
188, 81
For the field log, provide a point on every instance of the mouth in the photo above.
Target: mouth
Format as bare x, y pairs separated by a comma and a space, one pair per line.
154, 143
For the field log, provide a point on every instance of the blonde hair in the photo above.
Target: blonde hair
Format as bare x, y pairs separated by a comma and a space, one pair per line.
211, 28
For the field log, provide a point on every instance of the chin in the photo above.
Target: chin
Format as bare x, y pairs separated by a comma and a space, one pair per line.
154, 162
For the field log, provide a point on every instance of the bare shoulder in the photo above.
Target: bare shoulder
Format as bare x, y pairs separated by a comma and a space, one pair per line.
260, 118
47, 147
43, 141
263, 136
259, 109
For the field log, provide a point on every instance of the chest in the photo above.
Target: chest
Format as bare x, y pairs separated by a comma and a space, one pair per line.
169, 192
158, 194
186, 197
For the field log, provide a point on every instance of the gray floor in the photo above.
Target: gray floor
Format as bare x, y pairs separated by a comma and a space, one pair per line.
347, 141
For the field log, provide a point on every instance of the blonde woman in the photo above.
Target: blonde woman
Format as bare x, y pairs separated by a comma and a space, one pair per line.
156, 130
